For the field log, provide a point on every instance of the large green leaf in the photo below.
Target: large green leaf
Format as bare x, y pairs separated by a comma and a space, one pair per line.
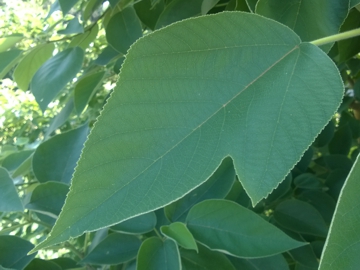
155, 254
13, 252
54, 74
309, 19
185, 102
9, 198
114, 249
123, 29
216, 187
55, 159
342, 246
229, 227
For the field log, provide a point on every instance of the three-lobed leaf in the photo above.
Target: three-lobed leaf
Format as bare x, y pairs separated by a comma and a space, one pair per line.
188, 98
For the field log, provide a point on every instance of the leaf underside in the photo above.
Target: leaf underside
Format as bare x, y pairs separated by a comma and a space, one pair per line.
190, 95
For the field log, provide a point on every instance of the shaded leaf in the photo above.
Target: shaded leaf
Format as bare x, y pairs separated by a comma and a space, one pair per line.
205, 259
54, 74
155, 254
137, 225
55, 159
228, 227
14, 160
24, 167
148, 13
37, 264
60, 118
310, 20
66, 5
107, 54
85, 89
326, 135
176, 123
114, 249
9, 198
342, 246
276, 262
48, 198
342, 141
252, 4
32, 61
84, 39
300, 217
216, 187
123, 29
305, 256
8, 61
73, 27
307, 181
349, 47
65, 263
180, 234
178, 10
207, 5
13, 252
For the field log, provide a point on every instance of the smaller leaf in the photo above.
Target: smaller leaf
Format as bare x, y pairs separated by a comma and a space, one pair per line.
178, 232
114, 249
60, 118
178, 10
207, 5
65, 263
342, 141
9, 198
305, 255
307, 181
251, 4
73, 27
155, 254
54, 74
107, 55
90, 7
205, 259
84, 39
149, 13
13, 161
216, 187
48, 198
85, 89
13, 252
32, 61
37, 264
276, 262
137, 225
55, 159
326, 135
24, 167
300, 217
66, 5
123, 29
228, 227
8, 41
8, 60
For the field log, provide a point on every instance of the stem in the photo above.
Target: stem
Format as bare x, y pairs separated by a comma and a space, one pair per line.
337, 37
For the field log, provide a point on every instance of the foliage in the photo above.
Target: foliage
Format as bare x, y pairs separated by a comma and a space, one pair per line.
225, 144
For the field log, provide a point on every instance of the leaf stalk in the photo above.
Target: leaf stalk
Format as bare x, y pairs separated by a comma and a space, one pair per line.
336, 37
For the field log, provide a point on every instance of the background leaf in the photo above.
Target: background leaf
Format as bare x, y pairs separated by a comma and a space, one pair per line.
178, 232
310, 20
55, 159
123, 29
156, 254
54, 74
32, 61
137, 225
228, 227
8, 61
8, 41
114, 249
342, 245
9, 198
